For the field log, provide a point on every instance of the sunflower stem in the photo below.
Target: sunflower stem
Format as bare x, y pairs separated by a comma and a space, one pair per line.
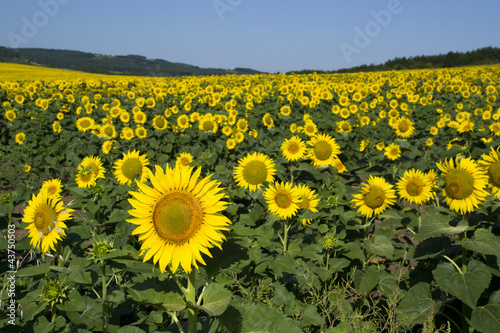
191, 298
286, 227
104, 294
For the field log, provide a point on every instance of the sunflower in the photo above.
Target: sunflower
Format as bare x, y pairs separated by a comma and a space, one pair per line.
282, 199
89, 170
127, 133
324, 149
464, 184
337, 163
490, 163
178, 218
253, 170
363, 144
208, 124
183, 121
160, 122
242, 125
380, 146
141, 132
53, 188
404, 127
375, 197
27, 168
495, 128
56, 127
267, 120
293, 149
108, 130
307, 200
184, 159
107, 146
343, 126
456, 142
392, 151
140, 117
10, 115
285, 110
415, 187
20, 138
310, 128
230, 143
131, 166
45, 217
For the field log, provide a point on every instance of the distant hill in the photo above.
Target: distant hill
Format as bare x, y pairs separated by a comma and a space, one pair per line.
483, 56
106, 64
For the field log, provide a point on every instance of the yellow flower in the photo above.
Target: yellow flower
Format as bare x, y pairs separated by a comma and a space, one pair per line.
89, 170
392, 151
178, 218
324, 149
27, 168
375, 197
414, 187
184, 159
230, 143
490, 163
254, 170
160, 122
10, 115
293, 149
404, 127
282, 199
130, 167
45, 217
20, 138
307, 200
53, 188
464, 184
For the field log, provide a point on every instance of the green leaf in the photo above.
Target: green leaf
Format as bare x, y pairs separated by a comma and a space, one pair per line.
244, 316
380, 245
168, 301
487, 318
416, 304
340, 328
354, 250
130, 329
118, 215
483, 242
366, 281
310, 316
281, 295
436, 224
38, 270
216, 299
281, 264
467, 286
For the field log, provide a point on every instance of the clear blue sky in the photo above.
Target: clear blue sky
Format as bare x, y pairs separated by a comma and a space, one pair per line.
267, 35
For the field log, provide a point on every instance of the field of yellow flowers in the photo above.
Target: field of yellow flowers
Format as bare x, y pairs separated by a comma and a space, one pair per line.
362, 202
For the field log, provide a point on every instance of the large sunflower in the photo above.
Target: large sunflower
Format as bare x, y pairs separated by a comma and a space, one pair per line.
375, 197
293, 149
46, 218
178, 218
282, 199
254, 170
464, 184
415, 187
324, 149
131, 166
490, 163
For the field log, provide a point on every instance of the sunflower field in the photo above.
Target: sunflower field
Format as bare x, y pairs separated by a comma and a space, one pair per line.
364, 202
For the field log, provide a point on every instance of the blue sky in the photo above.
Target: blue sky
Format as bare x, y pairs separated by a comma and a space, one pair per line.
267, 35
